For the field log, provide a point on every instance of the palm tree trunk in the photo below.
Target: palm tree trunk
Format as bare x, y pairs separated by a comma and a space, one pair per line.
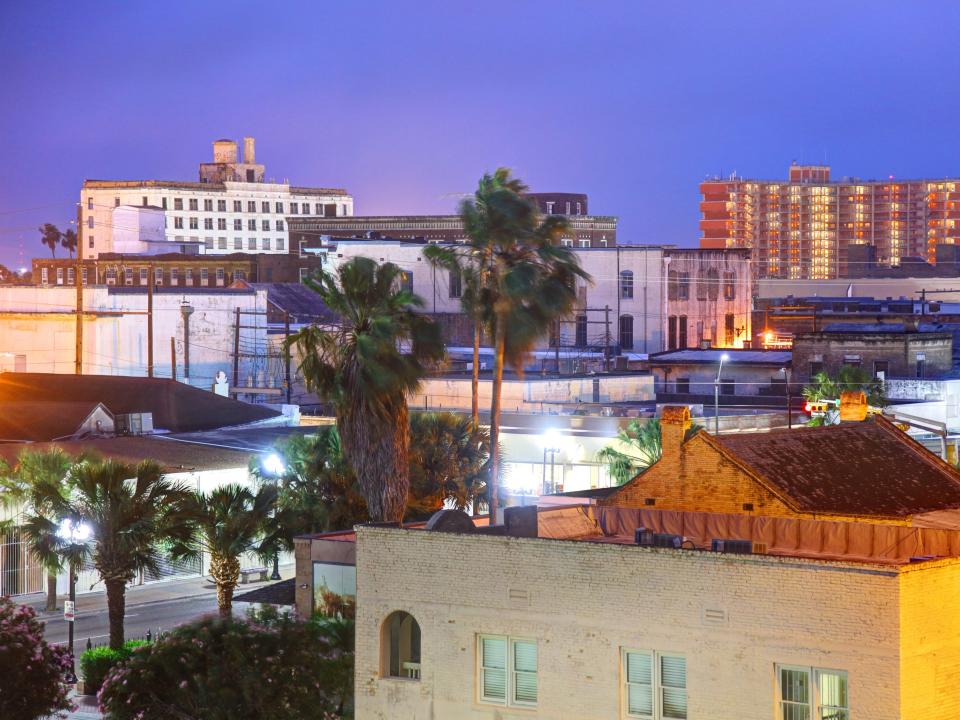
475, 381
225, 572
51, 592
116, 607
495, 424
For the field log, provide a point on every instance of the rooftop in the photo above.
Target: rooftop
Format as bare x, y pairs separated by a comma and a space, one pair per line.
778, 358
182, 185
36, 421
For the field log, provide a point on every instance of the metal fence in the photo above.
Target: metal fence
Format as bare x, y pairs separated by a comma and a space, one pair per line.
20, 573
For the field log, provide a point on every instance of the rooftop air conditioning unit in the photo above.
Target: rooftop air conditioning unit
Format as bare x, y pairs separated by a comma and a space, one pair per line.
133, 423
737, 547
648, 538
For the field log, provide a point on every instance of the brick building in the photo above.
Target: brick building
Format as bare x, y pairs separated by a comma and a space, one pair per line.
805, 227
837, 472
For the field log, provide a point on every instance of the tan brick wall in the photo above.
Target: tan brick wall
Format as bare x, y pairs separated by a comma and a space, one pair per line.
698, 478
583, 602
930, 653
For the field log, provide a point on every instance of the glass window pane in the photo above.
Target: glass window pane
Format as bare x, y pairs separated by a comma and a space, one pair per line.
639, 668
640, 700
673, 672
494, 653
525, 656
525, 690
495, 684
834, 714
796, 712
833, 689
794, 685
674, 703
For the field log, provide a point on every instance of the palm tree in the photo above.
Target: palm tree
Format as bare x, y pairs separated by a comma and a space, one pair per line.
848, 377
448, 461
50, 236
36, 477
226, 523
130, 510
640, 446
69, 241
366, 368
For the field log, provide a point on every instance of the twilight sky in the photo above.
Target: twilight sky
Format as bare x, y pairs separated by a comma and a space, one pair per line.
406, 104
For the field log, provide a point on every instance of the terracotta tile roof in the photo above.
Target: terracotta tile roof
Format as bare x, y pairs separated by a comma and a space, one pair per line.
868, 468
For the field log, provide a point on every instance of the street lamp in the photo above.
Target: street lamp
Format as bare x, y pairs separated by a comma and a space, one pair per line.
75, 534
786, 376
716, 396
551, 443
273, 466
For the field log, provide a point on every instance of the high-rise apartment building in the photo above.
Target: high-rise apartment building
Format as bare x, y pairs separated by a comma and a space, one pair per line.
805, 227
233, 208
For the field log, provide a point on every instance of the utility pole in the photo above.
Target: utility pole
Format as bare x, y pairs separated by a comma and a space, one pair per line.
606, 338
173, 358
236, 350
286, 352
78, 350
149, 320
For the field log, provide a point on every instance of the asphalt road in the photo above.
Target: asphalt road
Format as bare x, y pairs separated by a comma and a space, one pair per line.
162, 614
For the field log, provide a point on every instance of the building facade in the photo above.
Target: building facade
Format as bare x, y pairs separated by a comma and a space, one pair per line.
804, 227
643, 298
232, 208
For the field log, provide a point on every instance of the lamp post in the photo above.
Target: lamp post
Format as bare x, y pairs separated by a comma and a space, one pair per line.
786, 376
551, 440
716, 396
74, 534
274, 467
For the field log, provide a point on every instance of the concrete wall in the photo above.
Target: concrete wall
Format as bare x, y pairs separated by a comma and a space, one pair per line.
583, 603
40, 324
898, 350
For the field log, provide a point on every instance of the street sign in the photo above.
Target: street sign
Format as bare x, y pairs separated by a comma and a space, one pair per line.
68, 610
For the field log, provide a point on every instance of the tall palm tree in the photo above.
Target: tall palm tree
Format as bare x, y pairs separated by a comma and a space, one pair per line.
227, 522
640, 446
366, 367
448, 461
130, 510
69, 241
36, 477
50, 236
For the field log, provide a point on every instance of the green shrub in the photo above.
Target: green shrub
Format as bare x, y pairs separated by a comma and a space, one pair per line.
97, 662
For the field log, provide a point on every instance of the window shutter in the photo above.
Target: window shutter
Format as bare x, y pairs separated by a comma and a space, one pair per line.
525, 671
640, 684
673, 679
494, 668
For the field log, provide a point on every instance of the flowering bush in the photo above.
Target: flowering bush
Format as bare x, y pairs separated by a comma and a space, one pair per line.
282, 669
31, 671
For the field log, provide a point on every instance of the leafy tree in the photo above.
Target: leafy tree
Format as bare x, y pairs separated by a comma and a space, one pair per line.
274, 669
32, 672
69, 241
37, 477
643, 442
848, 377
448, 462
226, 523
50, 236
366, 367
130, 511
525, 281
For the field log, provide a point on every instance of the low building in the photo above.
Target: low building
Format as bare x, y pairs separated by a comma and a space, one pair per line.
884, 350
867, 471
577, 621
747, 377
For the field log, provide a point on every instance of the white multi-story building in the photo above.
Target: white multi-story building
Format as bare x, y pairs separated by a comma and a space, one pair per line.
231, 209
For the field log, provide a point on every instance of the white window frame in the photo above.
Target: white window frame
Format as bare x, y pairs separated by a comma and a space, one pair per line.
814, 674
656, 681
509, 700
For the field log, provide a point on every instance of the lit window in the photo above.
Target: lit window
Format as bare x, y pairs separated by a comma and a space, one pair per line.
400, 647
654, 685
805, 693
508, 670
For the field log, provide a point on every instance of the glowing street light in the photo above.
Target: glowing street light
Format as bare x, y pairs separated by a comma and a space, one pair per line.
551, 444
273, 465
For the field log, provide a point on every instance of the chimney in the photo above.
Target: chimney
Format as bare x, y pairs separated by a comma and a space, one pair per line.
249, 156
853, 406
674, 423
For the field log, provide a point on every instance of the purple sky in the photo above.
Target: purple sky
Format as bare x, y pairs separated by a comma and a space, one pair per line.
405, 104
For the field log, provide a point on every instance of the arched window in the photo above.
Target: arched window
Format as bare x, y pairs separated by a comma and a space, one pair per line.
626, 284
400, 646
626, 332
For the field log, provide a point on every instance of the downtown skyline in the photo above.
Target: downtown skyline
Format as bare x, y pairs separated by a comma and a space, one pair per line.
405, 105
